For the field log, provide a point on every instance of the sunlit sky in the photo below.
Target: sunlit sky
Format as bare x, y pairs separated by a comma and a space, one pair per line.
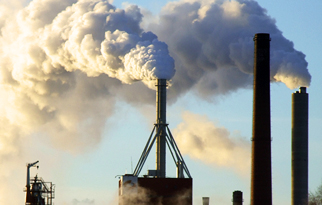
91, 177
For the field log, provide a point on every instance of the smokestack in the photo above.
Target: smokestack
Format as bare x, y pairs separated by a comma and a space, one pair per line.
205, 200
237, 198
161, 96
261, 179
300, 113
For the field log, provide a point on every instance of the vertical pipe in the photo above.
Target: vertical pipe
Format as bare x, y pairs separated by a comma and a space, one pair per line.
261, 178
180, 170
300, 115
237, 198
28, 185
161, 95
205, 200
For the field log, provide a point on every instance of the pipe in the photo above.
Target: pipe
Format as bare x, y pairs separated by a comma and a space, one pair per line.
161, 96
28, 195
237, 198
205, 200
300, 113
261, 178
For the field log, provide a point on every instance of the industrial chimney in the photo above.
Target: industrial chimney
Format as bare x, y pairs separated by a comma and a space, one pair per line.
300, 110
159, 188
261, 178
161, 95
237, 198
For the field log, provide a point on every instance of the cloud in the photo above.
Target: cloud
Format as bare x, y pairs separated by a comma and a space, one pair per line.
203, 140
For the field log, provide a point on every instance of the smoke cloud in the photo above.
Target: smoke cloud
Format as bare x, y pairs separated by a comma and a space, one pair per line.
64, 64
203, 140
212, 44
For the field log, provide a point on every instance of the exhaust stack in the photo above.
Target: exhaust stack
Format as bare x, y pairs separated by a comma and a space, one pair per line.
237, 198
161, 104
261, 178
300, 113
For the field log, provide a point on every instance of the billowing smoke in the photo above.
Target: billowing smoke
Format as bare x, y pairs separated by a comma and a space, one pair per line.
64, 64
203, 140
212, 44
61, 61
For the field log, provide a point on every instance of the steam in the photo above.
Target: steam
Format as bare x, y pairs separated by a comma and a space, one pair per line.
203, 140
141, 195
212, 44
62, 62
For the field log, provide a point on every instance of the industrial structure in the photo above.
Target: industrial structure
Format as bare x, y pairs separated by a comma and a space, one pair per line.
155, 187
300, 114
38, 192
237, 198
261, 177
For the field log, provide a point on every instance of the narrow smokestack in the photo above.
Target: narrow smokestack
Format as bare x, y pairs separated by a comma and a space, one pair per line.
237, 198
205, 200
261, 179
300, 114
161, 97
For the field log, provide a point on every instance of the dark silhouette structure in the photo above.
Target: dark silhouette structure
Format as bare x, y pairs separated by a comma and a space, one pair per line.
261, 178
300, 124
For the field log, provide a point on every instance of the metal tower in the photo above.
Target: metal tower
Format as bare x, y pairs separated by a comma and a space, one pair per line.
161, 134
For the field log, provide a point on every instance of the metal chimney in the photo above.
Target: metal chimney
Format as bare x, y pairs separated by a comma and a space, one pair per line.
162, 136
261, 179
237, 198
161, 104
300, 113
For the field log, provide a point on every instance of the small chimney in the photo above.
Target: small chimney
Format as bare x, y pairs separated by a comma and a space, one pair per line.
300, 118
161, 104
205, 200
237, 198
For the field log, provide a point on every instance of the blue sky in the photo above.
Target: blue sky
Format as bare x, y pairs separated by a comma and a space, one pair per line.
92, 176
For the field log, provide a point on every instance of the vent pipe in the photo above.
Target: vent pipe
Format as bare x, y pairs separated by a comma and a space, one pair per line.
205, 200
300, 113
237, 198
261, 178
161, 104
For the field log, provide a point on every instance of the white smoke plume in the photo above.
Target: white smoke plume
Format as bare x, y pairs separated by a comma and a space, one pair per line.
203, 140
58, 64
212, 44
63, 64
